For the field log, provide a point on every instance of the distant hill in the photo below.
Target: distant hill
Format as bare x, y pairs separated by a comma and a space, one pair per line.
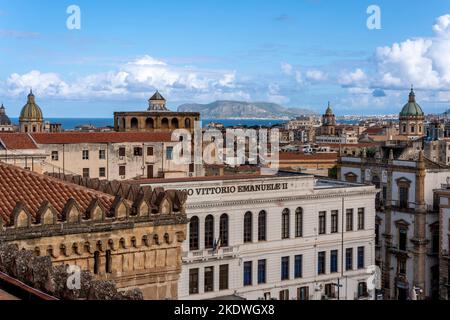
243, 110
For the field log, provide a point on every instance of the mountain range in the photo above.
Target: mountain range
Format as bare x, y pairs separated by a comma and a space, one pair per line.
243, 110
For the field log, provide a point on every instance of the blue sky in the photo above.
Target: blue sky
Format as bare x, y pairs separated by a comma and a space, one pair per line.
300, 53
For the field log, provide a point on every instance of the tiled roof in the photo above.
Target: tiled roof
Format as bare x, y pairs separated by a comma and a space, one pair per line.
33, 190
308, 157
100, 137
17, 141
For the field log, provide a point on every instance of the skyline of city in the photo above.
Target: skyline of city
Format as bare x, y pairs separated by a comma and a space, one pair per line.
296, 53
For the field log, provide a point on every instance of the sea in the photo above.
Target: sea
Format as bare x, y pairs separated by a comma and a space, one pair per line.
72, 123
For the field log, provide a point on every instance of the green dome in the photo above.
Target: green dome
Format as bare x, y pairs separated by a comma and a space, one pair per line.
31, 110
329, 110
412, 109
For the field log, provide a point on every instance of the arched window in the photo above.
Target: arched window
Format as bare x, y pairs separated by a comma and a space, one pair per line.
209, 232
149, 123
187, 123
299, 222
124, 125
96, 262
108, 262
193, 234
262, 222
165, 123
285, 234
134, 123
224, 230
175, 123
248, 228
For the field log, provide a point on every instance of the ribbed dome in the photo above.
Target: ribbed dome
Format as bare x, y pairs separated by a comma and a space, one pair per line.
412, 109
31, 110
329, 110
4, 119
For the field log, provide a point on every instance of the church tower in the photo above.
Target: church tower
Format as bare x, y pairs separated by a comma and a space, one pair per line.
328, 122
31, 119
412, 118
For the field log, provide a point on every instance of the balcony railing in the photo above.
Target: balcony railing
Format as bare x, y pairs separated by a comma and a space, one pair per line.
210, 254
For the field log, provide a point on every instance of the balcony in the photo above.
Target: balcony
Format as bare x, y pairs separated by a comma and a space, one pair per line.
408, 207
210, 254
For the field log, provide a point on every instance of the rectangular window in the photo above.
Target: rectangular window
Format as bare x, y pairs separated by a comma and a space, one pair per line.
322, 222
223, 277
402, 265
122, 152
298, 267
284, 295
102, 172
285, 268
102, 154
377, 234
209, 279
349, 259
403, 194
122, 171
403, 235
334, 221
150, 151
261, 271
169, 153
85, 172
321, 263
361, 258
55, 155
193, 281
361, 219
248, 273
303, 293
334, 261
349, 219
137, 151
85, 154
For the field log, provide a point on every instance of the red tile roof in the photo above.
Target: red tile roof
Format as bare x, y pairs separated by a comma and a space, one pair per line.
100, 137
308, 157
17, 141
33, 189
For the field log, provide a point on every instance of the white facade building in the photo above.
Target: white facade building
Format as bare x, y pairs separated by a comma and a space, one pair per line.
276, 237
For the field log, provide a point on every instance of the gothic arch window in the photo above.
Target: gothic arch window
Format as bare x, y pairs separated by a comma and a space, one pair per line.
96, 262
134, 123
108, 262
149, 123
299, 222
175, 123
194, 234
285, 217
248, 227
209, 232
262, 226
223, 230
165, 123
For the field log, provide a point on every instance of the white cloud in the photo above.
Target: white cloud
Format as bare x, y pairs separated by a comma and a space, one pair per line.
286, 68
274, 95
316, 75
356, 78
133, 79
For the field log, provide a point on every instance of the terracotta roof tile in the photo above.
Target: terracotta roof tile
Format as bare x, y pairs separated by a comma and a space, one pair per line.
18, 185
100, 137
17, 141
308, 157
